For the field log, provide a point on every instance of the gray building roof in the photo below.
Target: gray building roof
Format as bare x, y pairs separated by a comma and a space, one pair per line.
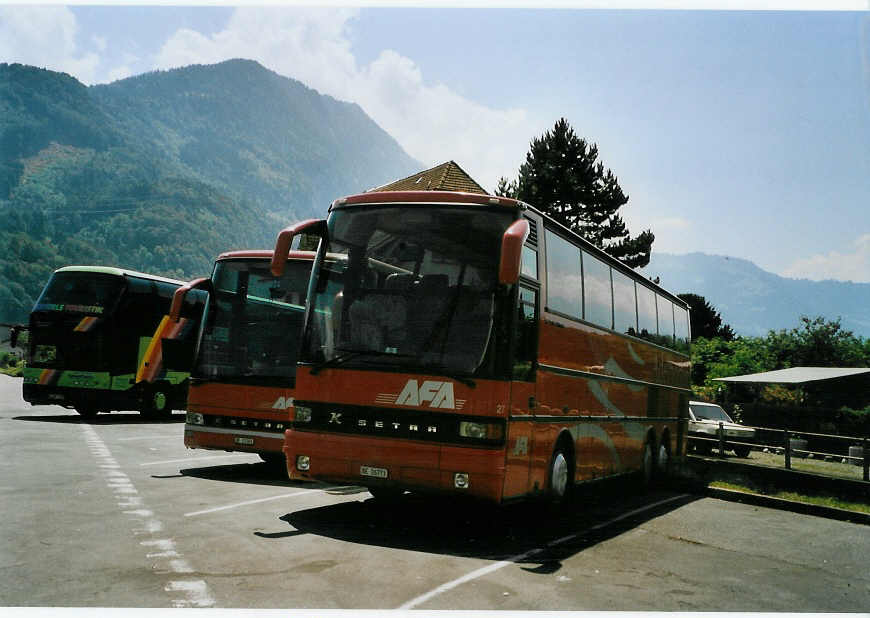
797, 375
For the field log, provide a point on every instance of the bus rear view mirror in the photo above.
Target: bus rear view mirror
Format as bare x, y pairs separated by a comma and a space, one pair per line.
315, 227
180, 293
512, 251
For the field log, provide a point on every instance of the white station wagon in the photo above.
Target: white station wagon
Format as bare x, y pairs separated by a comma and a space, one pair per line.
704, 419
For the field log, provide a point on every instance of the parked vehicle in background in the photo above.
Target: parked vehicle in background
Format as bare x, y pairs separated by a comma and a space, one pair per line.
704, 424
470, 345
243, 376
95, 338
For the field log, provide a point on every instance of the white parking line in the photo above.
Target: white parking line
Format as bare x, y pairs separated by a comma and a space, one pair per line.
153, 438
238, 504
194, 459
185, 592
514, 559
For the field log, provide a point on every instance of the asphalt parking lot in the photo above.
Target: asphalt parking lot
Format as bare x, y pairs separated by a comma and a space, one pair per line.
117, 513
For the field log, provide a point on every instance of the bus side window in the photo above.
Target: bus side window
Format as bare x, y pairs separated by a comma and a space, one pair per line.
526, 335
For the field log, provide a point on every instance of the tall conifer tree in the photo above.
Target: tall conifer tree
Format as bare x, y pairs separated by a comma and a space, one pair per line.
563, 177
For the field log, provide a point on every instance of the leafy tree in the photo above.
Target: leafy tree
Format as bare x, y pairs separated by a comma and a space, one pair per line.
563, 177
705, 320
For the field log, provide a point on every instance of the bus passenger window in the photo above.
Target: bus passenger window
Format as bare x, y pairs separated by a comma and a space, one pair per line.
597, 292
526, 336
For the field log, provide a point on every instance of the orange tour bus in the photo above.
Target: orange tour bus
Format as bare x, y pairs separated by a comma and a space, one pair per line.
94, 344
243, 370
469, 344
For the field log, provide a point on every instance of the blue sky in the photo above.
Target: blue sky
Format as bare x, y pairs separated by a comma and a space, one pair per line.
740, 133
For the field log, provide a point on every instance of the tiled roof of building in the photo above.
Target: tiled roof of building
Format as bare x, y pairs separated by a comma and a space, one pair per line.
445, 177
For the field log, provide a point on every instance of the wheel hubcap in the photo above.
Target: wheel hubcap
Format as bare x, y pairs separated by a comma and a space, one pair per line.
559, 475
159, 401
663, 459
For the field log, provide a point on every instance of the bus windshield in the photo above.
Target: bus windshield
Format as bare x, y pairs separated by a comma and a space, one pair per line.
416, 288
80, 292
252, 321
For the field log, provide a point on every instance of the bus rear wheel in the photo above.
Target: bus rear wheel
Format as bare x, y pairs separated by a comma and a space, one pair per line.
646, 465
663, 462
156, 403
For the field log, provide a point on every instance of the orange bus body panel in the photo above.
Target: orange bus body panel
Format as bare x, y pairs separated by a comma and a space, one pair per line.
252, 403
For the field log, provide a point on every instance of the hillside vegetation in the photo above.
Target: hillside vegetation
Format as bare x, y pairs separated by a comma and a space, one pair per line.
163, 171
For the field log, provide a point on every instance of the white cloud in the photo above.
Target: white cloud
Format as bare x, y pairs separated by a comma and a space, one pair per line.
852, 266
45, 36
432, 122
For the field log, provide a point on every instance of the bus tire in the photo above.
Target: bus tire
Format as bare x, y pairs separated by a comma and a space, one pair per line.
663, 461
646, 464
385, 494
274, 459
86, 411
156, 403
559, 481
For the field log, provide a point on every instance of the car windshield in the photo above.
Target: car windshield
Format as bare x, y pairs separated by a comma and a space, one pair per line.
709, 412
408, 285
253, 320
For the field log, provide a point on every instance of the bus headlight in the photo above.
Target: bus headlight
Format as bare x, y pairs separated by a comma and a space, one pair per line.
460, 480
487, 431
303, 462
194, 418
303, 414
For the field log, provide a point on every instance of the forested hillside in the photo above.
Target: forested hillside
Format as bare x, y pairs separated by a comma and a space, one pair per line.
163, 171
753, 301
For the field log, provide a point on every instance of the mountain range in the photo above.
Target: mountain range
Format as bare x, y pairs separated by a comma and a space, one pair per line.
161, 172
753, 301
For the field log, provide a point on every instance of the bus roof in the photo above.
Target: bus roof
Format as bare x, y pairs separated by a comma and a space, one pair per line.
118, 272
446, 197
410, 197
264, 254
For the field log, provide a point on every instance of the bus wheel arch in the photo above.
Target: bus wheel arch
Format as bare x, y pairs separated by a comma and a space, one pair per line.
560, 473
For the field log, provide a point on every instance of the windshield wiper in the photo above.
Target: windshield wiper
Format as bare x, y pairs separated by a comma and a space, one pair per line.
349, 355
450, 373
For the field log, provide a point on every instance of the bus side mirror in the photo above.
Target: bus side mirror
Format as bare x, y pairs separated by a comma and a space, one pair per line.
512, 252
316, 227
180, 293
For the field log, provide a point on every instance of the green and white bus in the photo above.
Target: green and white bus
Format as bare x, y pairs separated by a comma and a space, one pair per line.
96, 338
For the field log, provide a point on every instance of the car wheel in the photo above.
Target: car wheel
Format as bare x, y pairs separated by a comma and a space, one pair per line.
742, 450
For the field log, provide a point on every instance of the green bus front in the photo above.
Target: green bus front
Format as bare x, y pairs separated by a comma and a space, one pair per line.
90, 330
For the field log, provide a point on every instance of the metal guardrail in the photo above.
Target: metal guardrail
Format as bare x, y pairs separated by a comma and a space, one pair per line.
787, 446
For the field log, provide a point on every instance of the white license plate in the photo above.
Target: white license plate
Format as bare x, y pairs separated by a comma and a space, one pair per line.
380, 473
244, 441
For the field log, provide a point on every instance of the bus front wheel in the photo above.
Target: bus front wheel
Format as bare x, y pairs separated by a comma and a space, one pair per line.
86, 411
560, 475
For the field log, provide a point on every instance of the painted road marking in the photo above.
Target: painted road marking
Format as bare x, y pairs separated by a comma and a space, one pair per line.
515, 559
308, 492
186, 592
